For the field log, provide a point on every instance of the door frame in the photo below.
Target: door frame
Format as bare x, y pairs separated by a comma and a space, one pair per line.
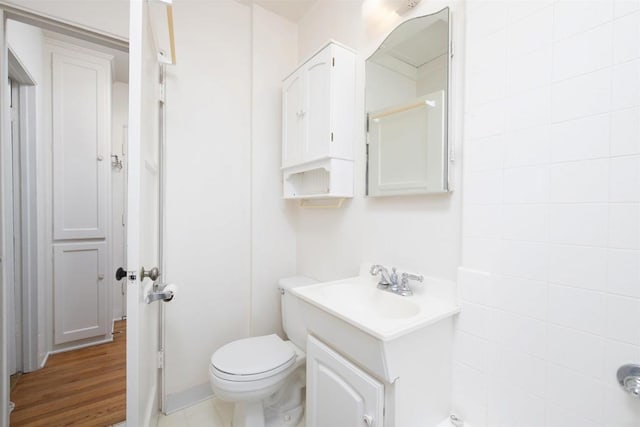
25, 265
16, 13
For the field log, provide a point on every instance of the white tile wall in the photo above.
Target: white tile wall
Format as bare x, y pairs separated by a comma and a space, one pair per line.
550, 283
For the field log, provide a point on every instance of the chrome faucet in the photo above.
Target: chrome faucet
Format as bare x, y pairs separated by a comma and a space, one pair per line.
386, 279
390, 282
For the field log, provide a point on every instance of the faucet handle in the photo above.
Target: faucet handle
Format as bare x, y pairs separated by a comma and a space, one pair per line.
403, 288
409, 276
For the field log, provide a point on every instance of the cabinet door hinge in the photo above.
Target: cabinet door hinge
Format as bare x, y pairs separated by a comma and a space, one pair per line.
333, 61
331, 136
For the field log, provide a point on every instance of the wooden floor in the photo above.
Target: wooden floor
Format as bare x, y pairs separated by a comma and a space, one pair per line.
83, 387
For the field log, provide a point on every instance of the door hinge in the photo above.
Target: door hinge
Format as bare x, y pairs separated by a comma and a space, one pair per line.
333, 61
161, 359
331, 136
122, 216
161, 93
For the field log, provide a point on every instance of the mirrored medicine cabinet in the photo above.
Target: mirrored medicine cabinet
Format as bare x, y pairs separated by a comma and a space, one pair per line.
406, 99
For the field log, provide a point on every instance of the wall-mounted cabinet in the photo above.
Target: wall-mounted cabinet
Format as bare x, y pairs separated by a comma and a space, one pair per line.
318, 125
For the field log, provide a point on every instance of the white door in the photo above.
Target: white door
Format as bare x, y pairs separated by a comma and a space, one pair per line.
79, 272
338, 392
143, 213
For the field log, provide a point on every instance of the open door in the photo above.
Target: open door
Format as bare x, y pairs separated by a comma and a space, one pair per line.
144, 218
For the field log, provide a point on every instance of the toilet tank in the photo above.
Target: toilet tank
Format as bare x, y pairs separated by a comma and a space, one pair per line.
292, 321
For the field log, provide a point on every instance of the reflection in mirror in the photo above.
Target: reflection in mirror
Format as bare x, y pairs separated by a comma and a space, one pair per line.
407, 82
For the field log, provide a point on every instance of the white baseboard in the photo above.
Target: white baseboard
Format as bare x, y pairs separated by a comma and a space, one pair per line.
44, 359
79, 346
189, 397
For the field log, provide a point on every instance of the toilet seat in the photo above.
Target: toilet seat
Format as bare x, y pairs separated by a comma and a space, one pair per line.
252, 359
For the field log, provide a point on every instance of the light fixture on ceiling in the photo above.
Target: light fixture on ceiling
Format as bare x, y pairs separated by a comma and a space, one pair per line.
406, 6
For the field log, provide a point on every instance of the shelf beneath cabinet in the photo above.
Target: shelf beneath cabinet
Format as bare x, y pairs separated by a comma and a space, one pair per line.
326, 178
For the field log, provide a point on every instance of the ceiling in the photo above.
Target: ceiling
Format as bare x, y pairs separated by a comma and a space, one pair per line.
291, 10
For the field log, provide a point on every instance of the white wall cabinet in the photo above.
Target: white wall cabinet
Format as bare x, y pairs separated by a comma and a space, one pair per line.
338, 392
318, 125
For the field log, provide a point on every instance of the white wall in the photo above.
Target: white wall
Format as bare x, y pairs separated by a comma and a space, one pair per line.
208, 183
551, 214
418, 233
273, 250
27, 44
229, 236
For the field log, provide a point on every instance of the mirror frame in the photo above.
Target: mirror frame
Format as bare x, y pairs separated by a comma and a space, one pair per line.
447, 152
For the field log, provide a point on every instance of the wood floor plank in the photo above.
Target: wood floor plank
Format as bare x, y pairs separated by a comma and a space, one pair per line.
83, 387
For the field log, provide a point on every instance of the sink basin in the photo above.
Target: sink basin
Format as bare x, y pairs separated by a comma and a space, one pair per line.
361, 300
381, 314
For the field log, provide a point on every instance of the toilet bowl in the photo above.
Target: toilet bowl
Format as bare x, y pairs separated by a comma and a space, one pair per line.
264, 376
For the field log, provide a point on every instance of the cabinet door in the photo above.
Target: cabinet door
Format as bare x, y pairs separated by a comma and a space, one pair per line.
80, 291
292, 119
81, 133
317, 111
338, 392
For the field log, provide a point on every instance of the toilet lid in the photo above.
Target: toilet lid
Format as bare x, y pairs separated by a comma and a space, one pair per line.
254, 356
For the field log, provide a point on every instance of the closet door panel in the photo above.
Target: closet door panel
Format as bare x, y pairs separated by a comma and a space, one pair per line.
80, 118
80, 293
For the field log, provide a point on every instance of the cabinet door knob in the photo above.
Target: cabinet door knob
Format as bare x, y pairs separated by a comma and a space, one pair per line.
368, 420
100, 158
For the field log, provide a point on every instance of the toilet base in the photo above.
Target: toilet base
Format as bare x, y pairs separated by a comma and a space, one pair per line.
284, 408
252, 414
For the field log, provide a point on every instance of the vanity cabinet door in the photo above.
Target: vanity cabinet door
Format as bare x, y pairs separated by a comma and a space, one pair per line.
338, 392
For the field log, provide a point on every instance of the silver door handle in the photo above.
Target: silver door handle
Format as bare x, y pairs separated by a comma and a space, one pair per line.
152, 274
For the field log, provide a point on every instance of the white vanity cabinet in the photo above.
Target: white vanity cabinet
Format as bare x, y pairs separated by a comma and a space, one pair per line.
318, 125
338, 392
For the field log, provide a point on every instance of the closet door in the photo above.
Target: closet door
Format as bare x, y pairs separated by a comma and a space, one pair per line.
80, 127
79, 291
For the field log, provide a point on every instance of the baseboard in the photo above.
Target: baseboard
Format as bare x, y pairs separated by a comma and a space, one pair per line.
44, 359
79, 346
189, 397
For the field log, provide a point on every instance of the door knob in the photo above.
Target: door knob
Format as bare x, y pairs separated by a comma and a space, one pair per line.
368, 420
121, 273
152, 274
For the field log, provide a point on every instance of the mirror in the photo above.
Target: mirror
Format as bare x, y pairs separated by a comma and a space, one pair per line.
407, 85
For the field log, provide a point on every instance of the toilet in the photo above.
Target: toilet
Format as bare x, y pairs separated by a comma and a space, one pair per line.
265, 376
